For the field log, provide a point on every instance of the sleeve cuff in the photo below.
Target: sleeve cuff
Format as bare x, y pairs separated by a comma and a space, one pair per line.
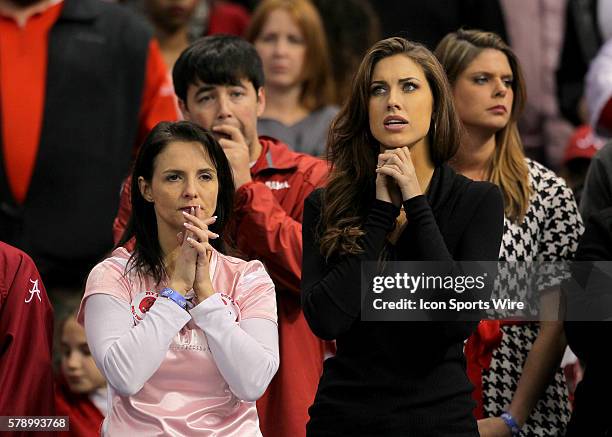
416, 206
383, 214
214, 310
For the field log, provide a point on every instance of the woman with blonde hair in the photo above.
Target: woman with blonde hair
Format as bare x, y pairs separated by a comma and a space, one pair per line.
290, 39
391, 196
541, 224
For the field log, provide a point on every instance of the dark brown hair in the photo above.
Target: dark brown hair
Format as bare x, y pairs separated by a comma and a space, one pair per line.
353, 151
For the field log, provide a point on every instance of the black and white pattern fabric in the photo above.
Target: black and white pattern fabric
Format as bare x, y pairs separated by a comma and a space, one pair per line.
550, 232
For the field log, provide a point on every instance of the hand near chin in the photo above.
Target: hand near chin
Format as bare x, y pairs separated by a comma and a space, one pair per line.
396, 164
386, 188
198, 241
237, 151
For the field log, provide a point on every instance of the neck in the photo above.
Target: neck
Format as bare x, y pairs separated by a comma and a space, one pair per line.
168, 243
284, 104
21, 13
473, 159
172, 43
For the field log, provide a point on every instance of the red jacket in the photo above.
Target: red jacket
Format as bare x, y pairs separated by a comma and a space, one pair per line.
267, 225
26, 337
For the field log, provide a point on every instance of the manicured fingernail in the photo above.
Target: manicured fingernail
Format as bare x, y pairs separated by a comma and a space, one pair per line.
213, 235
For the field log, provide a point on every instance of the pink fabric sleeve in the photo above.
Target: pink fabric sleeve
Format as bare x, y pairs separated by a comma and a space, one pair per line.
255, 295
246, 354
129, 355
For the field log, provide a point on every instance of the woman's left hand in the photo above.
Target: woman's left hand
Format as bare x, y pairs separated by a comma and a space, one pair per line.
398, 165
493, 427
202, 285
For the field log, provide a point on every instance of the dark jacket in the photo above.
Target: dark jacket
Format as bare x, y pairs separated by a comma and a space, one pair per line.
589, 340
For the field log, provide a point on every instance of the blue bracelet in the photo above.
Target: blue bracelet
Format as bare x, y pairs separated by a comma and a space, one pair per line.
174, 296
515, 429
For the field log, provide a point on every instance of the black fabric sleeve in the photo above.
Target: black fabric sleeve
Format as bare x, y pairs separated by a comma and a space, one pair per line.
331, 294
481, 238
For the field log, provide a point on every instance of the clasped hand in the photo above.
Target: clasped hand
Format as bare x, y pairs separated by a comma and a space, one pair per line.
396, 179
191, 267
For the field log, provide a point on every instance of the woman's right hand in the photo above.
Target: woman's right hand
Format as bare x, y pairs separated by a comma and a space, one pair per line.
386, 187
183, 275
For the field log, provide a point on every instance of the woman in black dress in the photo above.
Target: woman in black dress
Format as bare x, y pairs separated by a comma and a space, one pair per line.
391, 195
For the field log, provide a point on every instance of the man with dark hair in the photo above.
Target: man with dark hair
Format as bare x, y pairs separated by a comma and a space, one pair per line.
219, 83
81, 83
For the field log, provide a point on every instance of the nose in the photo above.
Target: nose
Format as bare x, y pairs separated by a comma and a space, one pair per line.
190, 191
73, 360
280, 47
500, 88
224, 107
393, 99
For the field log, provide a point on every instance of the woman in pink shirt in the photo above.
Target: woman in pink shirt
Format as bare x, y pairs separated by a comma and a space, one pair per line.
185, 336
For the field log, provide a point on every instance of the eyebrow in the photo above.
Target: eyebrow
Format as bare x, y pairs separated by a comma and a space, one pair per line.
406, 79
488, 73
172, 170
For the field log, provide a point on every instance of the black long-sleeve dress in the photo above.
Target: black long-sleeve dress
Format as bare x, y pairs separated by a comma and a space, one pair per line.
398, 378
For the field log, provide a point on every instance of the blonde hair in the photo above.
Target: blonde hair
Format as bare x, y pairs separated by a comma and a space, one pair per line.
317, 81
508, 168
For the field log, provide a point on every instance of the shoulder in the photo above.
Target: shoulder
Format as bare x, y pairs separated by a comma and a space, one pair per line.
311, 167
10, 254
117, 23
315, 198
324, 114
544, 181
13, 263
604, 156
241, 267
108, 273
469, 191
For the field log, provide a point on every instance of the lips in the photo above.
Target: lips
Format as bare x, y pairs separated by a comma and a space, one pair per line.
188, 208
498, 109
391, 120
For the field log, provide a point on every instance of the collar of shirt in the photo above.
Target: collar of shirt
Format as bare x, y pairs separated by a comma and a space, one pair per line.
21, 14
275, 155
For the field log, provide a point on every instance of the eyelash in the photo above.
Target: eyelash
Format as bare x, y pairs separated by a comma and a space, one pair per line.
480, 80
174, 177
376, 90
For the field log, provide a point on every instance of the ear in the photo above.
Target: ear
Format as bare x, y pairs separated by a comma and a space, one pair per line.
184, 110
261, 101
145, 189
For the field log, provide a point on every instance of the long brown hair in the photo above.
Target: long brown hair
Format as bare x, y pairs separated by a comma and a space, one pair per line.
508, 167
318, 85
353, 151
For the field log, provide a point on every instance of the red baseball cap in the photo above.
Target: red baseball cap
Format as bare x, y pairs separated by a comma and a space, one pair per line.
582, 144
